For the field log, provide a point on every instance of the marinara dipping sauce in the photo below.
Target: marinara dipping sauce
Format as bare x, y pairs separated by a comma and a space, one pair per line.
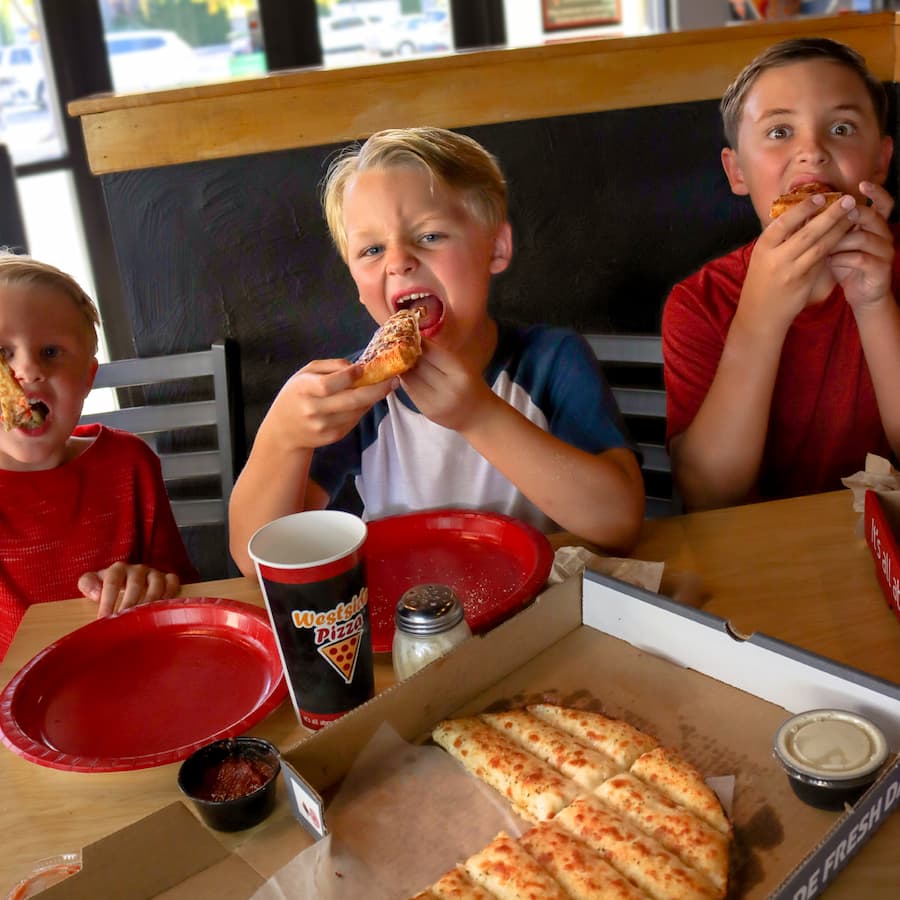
234, 777
232, 782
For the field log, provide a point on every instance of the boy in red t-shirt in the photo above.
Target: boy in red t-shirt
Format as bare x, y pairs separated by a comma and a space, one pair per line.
83, 509
782, 358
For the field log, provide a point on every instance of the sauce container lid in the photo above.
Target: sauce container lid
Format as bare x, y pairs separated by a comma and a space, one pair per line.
428, 609
831, 745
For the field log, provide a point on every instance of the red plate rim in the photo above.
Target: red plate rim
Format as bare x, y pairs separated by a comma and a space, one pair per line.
478, 525
21, 743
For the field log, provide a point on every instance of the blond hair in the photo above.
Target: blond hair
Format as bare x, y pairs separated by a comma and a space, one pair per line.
454, 159
17, 270
786, 53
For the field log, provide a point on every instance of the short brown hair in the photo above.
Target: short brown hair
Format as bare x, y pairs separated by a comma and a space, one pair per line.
456, 160
787, 53
18, 270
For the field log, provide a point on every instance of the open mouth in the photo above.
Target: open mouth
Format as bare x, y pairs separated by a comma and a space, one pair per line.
39, 413
429, 307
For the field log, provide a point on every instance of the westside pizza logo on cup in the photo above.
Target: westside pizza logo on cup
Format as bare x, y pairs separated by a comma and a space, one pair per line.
312, 573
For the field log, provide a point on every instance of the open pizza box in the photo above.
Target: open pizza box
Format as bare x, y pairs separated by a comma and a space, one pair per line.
882, 527
672, 671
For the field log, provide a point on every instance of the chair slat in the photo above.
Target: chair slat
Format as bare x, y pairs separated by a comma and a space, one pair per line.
199, 464
641, 401
626, 348
154, 369
191, 513
153, 419
655, 458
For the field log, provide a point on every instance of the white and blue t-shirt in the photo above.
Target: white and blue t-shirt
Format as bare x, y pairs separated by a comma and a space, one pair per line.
403, 462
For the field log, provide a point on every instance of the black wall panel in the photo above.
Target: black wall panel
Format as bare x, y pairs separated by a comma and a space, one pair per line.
12, 226
608, 209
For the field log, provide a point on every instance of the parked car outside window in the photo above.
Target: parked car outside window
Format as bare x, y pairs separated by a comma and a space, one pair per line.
147, 59
22, 75
412, 34
346, 34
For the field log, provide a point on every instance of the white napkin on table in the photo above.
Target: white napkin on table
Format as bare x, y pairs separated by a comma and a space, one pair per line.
569, 561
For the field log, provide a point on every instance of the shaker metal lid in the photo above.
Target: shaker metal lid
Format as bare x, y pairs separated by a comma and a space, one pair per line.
428, 609
831, 744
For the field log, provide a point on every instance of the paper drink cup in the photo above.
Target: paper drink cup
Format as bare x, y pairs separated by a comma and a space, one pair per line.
312, 573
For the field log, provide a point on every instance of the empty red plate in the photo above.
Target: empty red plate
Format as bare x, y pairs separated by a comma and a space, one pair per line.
495, 563
144, 688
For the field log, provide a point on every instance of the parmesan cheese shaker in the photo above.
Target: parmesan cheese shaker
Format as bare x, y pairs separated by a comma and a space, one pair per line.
429, 622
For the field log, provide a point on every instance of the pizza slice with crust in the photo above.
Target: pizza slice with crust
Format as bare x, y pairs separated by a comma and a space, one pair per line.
617, 739
584, 874
586, 767
536, 790
679, 831
509, 873
639, 857
456, 885
675, 777
801, 192
15, 409
394, 348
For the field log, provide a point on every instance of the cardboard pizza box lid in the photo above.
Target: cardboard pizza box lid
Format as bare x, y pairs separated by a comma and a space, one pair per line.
167, 854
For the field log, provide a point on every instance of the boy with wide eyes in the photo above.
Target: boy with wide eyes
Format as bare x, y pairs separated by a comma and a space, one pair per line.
516, 420
83, 508
782, 358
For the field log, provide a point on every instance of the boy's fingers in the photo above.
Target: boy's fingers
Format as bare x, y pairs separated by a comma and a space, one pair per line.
113, 581
143, 585
881, 201
90, 585
325, 366
342, 378
780, 230
807, 223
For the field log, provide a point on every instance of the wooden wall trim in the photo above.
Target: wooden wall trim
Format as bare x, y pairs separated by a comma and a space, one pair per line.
314, 107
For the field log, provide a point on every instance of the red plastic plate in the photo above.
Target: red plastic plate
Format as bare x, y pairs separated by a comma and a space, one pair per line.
144, 688
496, 564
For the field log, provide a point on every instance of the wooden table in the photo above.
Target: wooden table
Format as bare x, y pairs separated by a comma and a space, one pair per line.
793, 569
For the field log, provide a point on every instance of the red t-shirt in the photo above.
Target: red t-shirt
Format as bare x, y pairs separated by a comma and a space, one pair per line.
823, 419
106, 505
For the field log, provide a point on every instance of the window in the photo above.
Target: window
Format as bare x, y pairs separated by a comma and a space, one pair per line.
151, 43
26, 125
359, 32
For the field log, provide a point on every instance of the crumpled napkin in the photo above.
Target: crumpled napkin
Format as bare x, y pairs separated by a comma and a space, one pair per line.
879, 475
569, 561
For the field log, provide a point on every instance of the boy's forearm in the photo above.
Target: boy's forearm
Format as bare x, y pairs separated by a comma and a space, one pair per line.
879, 333
716, 460
273, 483
598, 497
